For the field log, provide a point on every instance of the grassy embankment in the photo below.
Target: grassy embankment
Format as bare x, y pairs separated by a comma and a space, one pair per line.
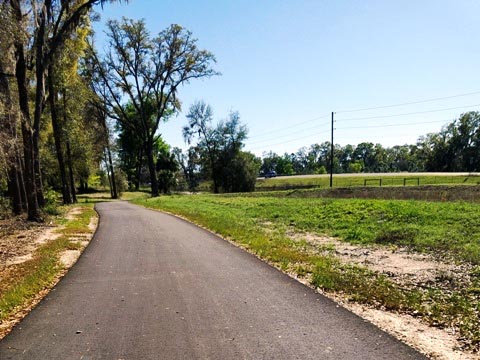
21, 284
264, 224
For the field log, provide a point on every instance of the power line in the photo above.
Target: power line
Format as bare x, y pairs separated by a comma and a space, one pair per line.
355, 127
408, 103
289, 127
391, 125
343, 128
406, 114
283, 142
346, 128
374, 108
267, 135
290, 134
359, 138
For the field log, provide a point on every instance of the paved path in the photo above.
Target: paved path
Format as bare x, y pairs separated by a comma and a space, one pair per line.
151, 286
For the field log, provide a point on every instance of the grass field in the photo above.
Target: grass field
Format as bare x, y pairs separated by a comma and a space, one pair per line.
263, 224
350, 180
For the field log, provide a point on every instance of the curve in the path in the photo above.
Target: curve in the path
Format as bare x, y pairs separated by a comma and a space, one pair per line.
151, 286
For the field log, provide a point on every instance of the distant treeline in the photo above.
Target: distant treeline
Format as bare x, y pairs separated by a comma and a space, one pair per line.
456, 148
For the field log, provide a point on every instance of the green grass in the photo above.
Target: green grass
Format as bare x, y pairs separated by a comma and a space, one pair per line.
135, 195
93, 198
451, 228
261, 223
23, 282
346, 180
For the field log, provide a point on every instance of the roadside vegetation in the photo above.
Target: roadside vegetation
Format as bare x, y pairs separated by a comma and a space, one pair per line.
25, 281
276, 228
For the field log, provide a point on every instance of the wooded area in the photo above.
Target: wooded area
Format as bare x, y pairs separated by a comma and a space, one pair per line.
42, 43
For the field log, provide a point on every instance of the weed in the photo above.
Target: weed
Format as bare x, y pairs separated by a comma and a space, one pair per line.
396, 236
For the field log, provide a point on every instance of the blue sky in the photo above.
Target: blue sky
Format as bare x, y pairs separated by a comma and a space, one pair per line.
286, 65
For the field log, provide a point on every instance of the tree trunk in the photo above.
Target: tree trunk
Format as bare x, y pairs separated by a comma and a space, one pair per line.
69, 152
20, 172
108, 172
40, 72
83, 186
110, 163
8, 120
39, 98
108, 157
14, 191
14, 170
57, 135
70, 171
214, 175
151, 169
138, 170
29, 176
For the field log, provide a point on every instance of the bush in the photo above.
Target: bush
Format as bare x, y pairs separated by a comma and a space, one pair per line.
51, 202
120, 182
241, 173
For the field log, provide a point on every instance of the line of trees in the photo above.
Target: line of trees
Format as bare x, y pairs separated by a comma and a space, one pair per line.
91, 111
456, 148
41, 96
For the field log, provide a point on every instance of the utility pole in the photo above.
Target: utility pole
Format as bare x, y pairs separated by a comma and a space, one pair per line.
331, 156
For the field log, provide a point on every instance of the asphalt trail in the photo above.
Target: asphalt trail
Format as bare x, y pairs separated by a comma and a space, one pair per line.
151, 286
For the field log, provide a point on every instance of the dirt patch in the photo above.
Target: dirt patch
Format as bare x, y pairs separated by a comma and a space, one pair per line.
18, 242
18, 239
69, 257
433, 342
92, 225
47, 235
72, 214
408, 269
400, 264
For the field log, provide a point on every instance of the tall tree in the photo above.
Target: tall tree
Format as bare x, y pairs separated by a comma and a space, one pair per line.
9, 154
57, 134
65, 84
200, 117
148, 71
